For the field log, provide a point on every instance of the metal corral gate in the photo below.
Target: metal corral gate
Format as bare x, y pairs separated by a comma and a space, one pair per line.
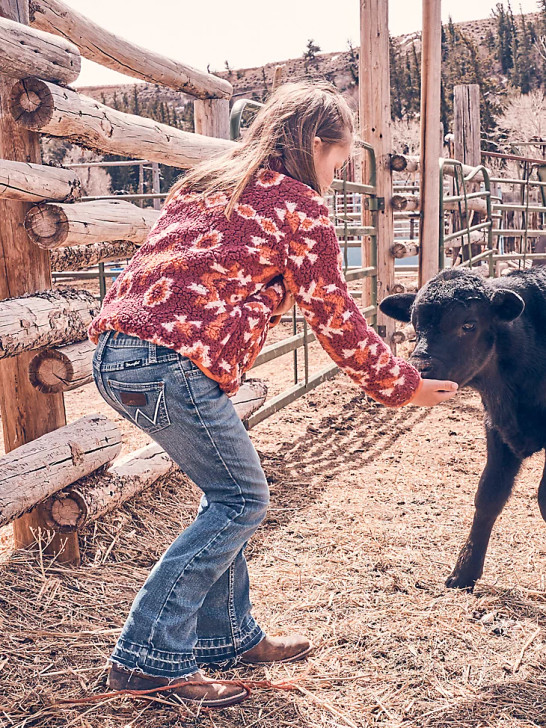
465, 184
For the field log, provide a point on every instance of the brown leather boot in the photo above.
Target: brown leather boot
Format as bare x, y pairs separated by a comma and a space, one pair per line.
202, 689
287, 648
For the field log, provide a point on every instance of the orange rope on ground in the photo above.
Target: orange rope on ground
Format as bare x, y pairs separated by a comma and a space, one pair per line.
248, 685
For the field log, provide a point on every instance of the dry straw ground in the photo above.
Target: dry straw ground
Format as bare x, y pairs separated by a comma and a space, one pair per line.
369, 508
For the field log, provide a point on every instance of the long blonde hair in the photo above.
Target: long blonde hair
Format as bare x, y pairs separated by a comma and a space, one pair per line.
283, 132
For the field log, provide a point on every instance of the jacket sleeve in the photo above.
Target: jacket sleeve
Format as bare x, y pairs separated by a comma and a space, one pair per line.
313, 275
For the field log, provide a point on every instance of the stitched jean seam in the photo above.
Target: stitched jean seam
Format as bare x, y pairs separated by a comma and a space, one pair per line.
217, 535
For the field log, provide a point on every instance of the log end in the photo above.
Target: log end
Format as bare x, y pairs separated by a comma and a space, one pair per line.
398, 250
31, 103
49, 371
398, 162
47, 225
399, 202
65, 512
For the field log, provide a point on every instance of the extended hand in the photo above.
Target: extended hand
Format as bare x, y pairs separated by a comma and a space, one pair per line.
285, 305
433, 391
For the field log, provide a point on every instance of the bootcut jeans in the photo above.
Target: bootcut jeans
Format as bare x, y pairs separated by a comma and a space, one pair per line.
194, 608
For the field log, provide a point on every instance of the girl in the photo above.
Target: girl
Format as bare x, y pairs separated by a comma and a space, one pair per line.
238, 239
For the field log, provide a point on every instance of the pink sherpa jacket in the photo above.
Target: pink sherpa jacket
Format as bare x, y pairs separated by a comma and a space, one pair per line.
206, 286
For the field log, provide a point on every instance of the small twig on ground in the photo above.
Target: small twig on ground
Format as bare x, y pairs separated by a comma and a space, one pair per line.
327, 705
519, 660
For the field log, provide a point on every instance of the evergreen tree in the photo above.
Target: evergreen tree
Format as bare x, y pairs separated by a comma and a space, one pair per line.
136, 105
311, 50
505, 40
353, 61
397, 80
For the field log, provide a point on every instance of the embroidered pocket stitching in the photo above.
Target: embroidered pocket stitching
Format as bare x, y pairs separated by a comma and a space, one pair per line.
161, 417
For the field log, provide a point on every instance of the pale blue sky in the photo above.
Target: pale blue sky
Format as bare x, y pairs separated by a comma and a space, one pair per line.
251, 32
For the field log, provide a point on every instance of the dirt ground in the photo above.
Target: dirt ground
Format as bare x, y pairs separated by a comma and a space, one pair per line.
369, 508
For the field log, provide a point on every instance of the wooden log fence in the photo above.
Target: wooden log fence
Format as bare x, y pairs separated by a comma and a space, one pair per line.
84, 256
49, 56
37, 182
104, 491
33, 472
62, 369
38, 105
45, 318
55, 225
404, 249
412, 203
409, 163
63, 475
26, 413
97, 44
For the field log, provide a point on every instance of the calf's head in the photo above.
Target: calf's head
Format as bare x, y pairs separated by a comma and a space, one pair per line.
457, 317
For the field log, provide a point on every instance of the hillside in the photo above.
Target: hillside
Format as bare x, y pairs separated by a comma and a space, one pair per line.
502, 53
340, 68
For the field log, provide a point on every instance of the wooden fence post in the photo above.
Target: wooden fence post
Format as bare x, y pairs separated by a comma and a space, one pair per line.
375, 128
26, 412
431, 69
466, 124
211, 117
467, 144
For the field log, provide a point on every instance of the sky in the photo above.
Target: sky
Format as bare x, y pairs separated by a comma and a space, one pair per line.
250, 33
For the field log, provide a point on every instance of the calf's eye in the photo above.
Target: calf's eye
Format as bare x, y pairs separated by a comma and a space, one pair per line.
469, 326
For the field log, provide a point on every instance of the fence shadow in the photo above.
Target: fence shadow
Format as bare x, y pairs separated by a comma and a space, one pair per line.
523, 700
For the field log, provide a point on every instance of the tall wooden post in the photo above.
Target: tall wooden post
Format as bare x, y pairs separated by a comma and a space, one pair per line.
466, 142
431, 71
211, 117
375, 123
466, 124
26, 413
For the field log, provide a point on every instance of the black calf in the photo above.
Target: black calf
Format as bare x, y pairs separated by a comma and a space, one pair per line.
491, 336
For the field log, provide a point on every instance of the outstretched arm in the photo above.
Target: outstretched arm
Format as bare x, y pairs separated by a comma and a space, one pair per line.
313, 275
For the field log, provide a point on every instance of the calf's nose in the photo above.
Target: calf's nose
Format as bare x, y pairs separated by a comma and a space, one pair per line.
424, 366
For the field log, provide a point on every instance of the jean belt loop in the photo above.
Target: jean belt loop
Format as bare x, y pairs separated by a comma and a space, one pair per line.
152, 352
103, 340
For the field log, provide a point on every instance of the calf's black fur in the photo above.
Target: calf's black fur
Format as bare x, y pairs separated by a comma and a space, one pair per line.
489, 335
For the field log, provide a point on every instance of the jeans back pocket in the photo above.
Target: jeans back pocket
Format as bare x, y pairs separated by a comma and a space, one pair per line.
143, 403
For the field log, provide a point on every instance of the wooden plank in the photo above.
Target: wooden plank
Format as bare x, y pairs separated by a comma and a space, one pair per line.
33, 472
83, 256
409, 163
62, 369
25, 52
375, 116
431, 61
58, 225
26, 413
467, 149
410, 203
37, 182
45, 318
42, 106
211, 117
466, 123
101, 46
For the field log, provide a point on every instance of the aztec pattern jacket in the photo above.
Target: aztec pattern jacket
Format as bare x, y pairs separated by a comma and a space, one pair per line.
206, 286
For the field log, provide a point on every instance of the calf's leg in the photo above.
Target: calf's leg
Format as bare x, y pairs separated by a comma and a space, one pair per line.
542, 493
493, 491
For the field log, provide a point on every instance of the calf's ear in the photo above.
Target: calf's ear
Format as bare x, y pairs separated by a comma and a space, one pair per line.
398, 306
507, 304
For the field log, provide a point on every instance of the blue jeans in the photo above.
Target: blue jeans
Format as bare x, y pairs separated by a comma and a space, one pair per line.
194, 607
